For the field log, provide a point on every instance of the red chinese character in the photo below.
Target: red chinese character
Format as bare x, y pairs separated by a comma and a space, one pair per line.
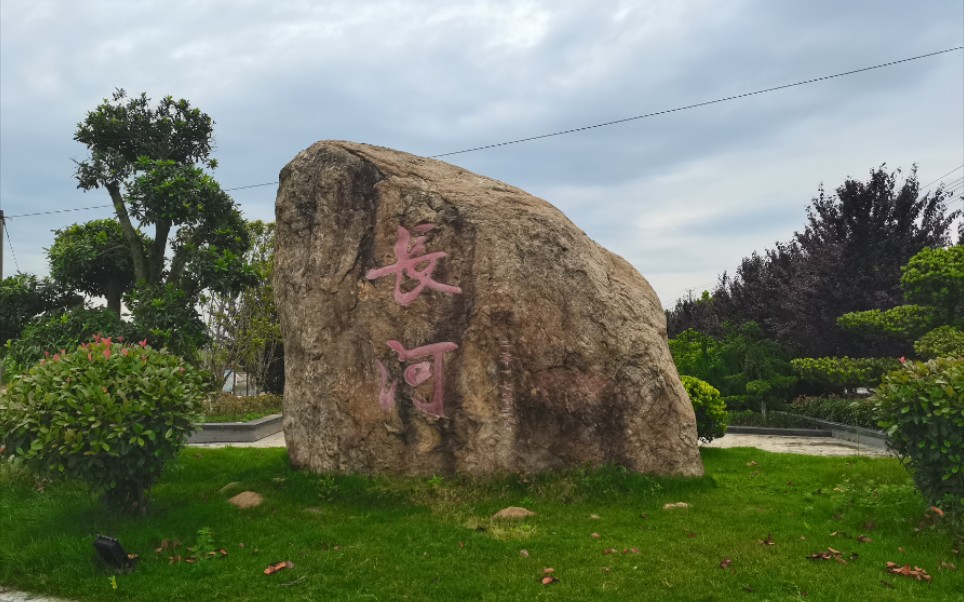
415, 375
407, 266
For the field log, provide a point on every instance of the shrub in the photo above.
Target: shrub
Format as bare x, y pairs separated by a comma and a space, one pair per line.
922, 409
711, 416
945, 341
106, 413
63, 331
857, 412
836, 375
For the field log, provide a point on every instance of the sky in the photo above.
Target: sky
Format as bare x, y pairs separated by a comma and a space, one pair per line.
682, 196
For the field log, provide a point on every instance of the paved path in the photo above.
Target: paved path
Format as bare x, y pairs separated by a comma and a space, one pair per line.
813, 446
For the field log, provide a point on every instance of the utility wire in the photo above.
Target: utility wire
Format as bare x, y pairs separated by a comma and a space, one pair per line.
699, 104
929, 184
13, 254
615, 122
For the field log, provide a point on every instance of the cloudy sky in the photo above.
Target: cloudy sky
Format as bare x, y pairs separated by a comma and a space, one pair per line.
682, 196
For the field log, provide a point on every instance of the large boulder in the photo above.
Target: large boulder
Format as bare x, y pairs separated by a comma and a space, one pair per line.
438, 322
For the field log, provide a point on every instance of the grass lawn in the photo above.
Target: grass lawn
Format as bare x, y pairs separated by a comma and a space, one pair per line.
604, 531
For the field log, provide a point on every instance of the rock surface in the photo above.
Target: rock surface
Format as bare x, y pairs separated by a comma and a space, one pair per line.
247, 499
513, 513
440, 322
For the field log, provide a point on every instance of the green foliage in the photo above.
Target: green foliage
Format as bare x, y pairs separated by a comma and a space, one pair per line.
935, 277
53, 334
107, 413
225, 407
856, 412
945, 341
24, 297
848, 258
244, 329
167, 317
901, 322
93, 258
710, 410
921, 407
743, 364
837, 375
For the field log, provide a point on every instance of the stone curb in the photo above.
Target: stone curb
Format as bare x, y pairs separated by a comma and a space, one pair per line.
237, 432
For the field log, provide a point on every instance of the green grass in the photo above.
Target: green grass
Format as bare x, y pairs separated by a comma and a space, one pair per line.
365, 538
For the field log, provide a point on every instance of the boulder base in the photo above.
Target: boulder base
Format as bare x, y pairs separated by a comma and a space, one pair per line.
439, 322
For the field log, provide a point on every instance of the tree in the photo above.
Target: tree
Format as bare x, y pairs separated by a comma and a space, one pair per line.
152, 162
847, 258
23, 297
933, 284
244, 329
93, 258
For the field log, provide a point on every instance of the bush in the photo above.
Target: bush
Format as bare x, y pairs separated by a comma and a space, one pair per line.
856, 412
921, 407
64, 331
711, 416
106, 413
837, 375
227, 407
945, 341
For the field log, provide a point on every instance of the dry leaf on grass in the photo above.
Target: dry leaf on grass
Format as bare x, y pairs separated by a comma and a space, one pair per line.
725, 563
864, 539
595, 535
278, 566
675, 506
905, 570
768, 541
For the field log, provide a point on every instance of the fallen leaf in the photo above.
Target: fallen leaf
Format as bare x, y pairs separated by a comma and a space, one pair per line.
675, 506
636, 551
606, 569
524, 553
751, 463
915, 573
864, 539
608, 551
691, 535
802, 538
513, 513
947, 565
240, 545
461, 544
593, 517
725, 563
549, 580
900, 549
938, 511
548, 571
223, 552
279, 566
768, 541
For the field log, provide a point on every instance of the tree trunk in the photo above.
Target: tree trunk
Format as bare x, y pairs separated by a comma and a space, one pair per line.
133, 240
156, 259
115, 290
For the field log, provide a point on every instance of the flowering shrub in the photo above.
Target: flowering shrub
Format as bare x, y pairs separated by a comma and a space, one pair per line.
922, 408
107, 413
711, 416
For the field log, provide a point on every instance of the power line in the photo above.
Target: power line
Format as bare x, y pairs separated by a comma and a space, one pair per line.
58, 211
699, 104
928, 185
10, 243
608, 123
